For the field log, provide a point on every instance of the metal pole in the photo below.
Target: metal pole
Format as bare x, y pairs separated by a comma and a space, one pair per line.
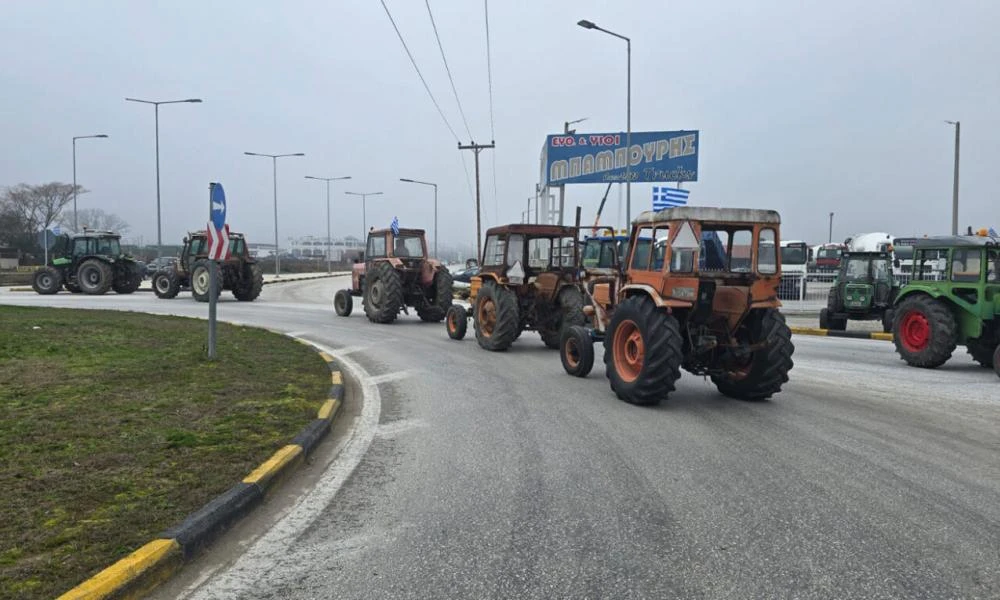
76, 226
329, 267
364, 218
479, 226
213, 287
277, 253
954, 189
159, 231
628, 139
829, 238
435, 220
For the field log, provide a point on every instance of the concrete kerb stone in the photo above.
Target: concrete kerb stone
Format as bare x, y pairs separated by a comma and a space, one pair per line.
140, 572
861, 335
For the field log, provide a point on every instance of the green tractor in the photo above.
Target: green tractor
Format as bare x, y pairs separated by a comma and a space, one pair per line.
953, 299
91, 262
863, 290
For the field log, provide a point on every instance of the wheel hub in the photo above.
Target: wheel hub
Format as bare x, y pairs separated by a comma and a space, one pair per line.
915, 331
376, 293
487, 316
201, 281
629, 350
572, 353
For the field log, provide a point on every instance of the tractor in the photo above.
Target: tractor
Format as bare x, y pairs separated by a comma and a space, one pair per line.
91, 262
239, 273
698, 291
863, 290
528, 281
396, 274
953, 299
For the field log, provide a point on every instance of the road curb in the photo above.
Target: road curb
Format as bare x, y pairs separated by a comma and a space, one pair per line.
140, 572
858, 335
323, 276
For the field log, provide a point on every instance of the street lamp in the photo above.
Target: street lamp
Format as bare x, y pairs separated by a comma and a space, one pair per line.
156, 112
329, 269
628, 132
954, 184
274, 164
76, 226
435, 210
364, 210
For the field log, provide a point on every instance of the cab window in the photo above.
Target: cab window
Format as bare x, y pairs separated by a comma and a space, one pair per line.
376, 246
966, 265
643, 244
993, 268
767, 260
515, 243
493, 254
539, 251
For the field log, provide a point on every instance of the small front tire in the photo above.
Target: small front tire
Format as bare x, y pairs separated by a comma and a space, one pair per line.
576, 349
343, 303
457, 322
47, 281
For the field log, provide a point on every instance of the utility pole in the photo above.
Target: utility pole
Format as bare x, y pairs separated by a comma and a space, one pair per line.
476, 149
829, 238
954, 184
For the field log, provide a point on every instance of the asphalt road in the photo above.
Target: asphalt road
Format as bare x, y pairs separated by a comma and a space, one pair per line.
467, 474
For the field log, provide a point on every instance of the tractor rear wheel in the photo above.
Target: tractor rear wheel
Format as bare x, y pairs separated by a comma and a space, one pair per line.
383, 291
643, 351
457, 322
824, 318
250, 284
128, 279
166, 284
94, 276
46, 281
982, 349
343, 303
576, 349
996, 361
887, 318
201, 279
924, 331
570, 312
495, 317
435, 313
767, 369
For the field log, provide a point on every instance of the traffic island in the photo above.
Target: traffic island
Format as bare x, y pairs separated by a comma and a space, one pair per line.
124, 447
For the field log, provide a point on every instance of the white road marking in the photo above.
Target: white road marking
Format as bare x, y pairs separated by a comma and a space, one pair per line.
272, 548
386, 377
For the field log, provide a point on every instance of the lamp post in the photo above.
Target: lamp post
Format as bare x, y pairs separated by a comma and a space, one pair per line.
76, 225
829, 237
628, 118
274, 164
435, 210
954, 183
329, 269
156, 113
364, 210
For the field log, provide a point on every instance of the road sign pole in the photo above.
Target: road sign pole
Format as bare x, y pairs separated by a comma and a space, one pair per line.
212, 283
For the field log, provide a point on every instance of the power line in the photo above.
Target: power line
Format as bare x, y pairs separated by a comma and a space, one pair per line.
448, 69
419, 74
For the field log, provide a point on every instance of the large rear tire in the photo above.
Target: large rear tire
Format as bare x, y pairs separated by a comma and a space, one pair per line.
643, 351
887, 318
383, 293
201, 279
343, 303
570, 307
982, 349
824, 318
767, 370
576, 349
250, 286
495, 317
46, 281
94, 276
443, 296
166, 284
924, 331
128, 279
996, 361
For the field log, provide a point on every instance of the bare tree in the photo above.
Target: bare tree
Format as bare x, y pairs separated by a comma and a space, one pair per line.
95, 218
26, 210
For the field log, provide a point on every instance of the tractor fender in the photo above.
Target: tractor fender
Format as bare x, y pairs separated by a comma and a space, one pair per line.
427, 272
357, 272
637, 289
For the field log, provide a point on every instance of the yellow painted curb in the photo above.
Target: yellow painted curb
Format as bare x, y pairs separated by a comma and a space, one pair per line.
885, 337
272, 466
326, 357
155, 554
21, 289
328, 409
337, 378
808, 331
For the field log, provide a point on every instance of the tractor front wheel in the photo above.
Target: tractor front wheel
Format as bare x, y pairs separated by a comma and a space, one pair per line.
250, 285
201, 279
570, 312
343, 303
47, 281
996, 361
128, 278
924, 331
643, 351
824, 318
982, 349
766, 370
166, 284
94, 277
457, 322
887, 318
576, 349
495, 317
383, 293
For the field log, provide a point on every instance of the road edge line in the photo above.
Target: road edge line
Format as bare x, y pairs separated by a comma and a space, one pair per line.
858, 335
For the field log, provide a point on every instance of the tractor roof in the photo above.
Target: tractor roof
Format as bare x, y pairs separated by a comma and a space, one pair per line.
964, 241
534, 229
89, 233
710, 214
202, 233
866, 254
402, 231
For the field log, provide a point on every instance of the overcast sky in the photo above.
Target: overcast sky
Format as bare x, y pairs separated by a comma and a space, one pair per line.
804, 107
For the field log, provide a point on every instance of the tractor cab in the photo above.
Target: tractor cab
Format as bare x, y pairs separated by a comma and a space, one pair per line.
864, 289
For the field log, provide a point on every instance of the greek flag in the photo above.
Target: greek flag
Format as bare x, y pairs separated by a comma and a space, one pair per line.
664, 197
993, 232
394, 226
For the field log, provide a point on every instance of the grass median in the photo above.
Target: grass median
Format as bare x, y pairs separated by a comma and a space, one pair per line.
113, 427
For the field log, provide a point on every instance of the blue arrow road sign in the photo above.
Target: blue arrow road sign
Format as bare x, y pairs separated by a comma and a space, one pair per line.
218, 200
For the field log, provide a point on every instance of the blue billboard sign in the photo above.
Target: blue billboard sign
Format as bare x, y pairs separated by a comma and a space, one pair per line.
656, 156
